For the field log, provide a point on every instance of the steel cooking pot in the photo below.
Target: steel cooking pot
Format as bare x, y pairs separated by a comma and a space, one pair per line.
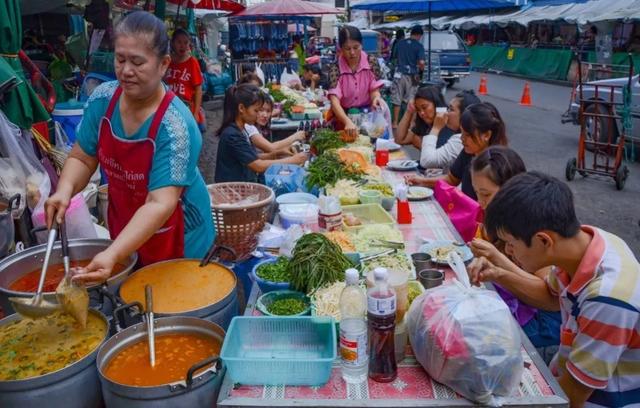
74, 386
199, 390
17, 265
7, 229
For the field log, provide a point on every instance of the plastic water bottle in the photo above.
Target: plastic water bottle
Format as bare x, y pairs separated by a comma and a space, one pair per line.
353, 330
381, 306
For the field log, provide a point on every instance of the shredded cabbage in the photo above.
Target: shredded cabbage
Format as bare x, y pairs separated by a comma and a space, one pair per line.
363, 237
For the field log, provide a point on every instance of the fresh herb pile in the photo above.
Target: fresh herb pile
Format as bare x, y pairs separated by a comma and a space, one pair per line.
287, 307
276, 271
327, 169
326, 139
316, 262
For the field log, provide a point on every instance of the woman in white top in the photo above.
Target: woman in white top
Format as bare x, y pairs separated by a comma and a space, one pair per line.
261, 133
442, 145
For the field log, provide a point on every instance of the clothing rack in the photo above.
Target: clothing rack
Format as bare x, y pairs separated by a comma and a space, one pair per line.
271, 67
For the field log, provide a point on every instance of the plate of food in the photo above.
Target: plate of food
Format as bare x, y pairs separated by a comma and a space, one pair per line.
440, 249
402, 165
417, 193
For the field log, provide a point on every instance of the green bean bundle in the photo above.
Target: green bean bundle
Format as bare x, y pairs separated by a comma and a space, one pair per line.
316, 261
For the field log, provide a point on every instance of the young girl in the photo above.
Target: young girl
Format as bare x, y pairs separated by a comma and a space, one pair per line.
418, 119
184, 75
491, 169
260, 134
482, 127
237, 159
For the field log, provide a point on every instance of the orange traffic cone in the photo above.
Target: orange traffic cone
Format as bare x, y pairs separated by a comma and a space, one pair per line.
482, 90
526, 95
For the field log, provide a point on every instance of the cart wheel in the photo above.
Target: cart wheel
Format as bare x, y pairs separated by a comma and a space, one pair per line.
621, 177
570, 171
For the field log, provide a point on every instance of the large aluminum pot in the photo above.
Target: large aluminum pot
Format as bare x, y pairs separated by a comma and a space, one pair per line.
74, 386
17, 265
220, 311
193, 391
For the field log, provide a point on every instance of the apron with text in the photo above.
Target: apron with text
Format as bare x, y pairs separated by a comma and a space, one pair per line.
127, 164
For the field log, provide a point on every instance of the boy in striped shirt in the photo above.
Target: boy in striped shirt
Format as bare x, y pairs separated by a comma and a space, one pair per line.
595, 283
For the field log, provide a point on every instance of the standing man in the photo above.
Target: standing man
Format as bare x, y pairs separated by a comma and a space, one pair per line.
410, 55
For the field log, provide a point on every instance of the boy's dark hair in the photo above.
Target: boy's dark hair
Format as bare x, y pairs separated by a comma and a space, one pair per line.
178, 32
499, 164
417, 30
529, 203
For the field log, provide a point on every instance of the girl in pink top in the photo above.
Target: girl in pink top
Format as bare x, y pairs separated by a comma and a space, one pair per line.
355, 79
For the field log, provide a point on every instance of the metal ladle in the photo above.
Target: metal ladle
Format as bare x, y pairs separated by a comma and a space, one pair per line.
37, 306
148, 297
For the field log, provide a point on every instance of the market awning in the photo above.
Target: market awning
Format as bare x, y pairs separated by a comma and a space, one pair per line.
436, 5
222, 5
286, 8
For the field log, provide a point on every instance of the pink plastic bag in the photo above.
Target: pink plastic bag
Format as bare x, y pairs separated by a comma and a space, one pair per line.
464, 213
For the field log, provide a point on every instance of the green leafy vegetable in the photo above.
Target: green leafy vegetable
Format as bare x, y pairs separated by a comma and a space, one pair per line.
327, 169
276, 271
325, 139
287, 307
316, 262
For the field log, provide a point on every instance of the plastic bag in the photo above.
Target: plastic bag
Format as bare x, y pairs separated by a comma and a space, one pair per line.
62, 140
377, 124
12, 183
289, 78
285, 178
291, 236
466, 338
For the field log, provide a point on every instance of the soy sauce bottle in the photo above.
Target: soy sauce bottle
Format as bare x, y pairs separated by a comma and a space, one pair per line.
381, 316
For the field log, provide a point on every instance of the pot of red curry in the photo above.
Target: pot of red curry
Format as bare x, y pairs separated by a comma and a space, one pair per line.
181, 287
50, 362
19, 273
188, 371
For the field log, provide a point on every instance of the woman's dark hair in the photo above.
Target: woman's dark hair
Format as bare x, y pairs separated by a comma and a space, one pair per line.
399, 33
499, 163
529, 203
484, 117
315, 68
250, 77
347, 33
178, 32
266, 130
433, 95
145, 23
246, 95
467, 98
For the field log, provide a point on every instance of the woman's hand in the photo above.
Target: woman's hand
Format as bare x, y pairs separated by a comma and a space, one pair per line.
350, 128
98, 270
56, 206
414, 180
440, 121
411, 106
300, 158
377, 102
300, 135
482, 248
481, 270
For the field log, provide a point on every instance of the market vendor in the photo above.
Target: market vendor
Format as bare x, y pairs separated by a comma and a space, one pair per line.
354, 80
147, 143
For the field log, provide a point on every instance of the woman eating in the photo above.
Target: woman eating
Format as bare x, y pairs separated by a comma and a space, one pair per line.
237, 158
481, 126
260, 134
184, 75
421, 114
147, 143
491, 169
355, 79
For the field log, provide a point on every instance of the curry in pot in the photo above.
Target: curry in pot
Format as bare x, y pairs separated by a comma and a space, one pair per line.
179, 286
30, 348
175, 354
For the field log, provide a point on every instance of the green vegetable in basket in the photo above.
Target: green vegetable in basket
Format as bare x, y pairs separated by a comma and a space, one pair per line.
276, 271
286, 307
326, 139
316, 262
327, 169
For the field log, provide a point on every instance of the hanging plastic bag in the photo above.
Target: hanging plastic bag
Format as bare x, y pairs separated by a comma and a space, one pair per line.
260, 73
285, 178
466, 338
290, 78
12, 183
62, 140
378, 123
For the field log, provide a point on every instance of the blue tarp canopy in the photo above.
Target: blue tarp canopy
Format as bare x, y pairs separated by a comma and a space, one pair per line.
436, 5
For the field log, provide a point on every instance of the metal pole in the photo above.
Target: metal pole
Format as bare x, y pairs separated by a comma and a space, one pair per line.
348, 4
429, 50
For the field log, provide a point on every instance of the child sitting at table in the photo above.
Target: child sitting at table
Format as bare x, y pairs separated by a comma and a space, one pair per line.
594, 283
490, 170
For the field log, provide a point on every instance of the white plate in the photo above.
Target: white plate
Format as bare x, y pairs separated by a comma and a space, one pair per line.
416, 193
432, 246
402, 165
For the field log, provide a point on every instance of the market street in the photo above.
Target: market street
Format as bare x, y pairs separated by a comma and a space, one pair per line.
545, 144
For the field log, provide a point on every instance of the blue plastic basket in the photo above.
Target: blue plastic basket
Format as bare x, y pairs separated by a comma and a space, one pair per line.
280, 350
265, 285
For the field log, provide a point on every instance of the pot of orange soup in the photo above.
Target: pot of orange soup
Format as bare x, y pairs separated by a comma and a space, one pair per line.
188, 371
20, 272
181, 287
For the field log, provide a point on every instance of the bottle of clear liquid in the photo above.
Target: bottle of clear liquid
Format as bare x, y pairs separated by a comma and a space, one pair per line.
353, 330
381, 306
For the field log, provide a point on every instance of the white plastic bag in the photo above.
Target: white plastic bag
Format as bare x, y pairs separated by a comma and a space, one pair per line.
290, 79
466, 338
378, 123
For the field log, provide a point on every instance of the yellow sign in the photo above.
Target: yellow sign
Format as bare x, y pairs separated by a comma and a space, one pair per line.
391, 19
510, 53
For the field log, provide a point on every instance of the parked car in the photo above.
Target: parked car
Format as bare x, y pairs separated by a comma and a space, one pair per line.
605, 125
452, 53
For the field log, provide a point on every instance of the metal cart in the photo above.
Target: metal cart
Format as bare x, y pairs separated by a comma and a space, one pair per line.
601, 104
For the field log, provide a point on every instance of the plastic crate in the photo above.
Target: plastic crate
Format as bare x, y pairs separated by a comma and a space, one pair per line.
280, 350
368, 214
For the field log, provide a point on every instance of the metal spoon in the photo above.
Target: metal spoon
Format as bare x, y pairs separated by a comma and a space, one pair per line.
37, 306
148, 297
73, 298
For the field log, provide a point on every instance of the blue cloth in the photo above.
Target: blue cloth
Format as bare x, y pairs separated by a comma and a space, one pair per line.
175, 162
544, 329
409, 52
235, 152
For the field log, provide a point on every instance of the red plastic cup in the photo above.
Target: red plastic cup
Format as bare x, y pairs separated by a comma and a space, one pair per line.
382, 157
